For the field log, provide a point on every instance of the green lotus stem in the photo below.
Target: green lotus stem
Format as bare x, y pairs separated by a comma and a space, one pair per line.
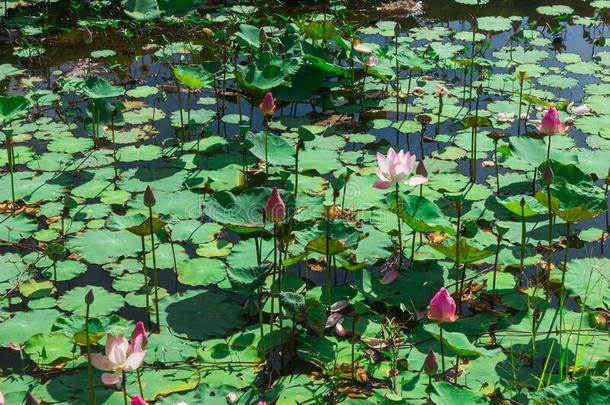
548, 149
89, 365
496, 167
182, 128
273, 295
459, 286
413, 237
399, 227
496, 265
474, 32
440, 326
124, 387
279, 292
146, 289
550, 247
116, 170
473, 158
140, 382
438, 115
520, 106
154, 258
353, 347
408, 92
11, 160
55, 275
563, 291
522, 244
171, 244
188, 112
363, 95
266, 147
328, 264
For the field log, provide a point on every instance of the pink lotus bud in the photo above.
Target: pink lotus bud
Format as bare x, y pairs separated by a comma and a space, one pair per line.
149, 197
579, 110
551, 123
275, 210
261, 403
267, 106
137, 400
339, 329
390, 277
442, 307
430, 364
138, 337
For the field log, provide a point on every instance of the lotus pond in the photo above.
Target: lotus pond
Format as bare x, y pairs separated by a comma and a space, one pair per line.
304, 203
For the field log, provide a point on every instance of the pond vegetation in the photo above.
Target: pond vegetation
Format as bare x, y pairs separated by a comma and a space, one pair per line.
304, 203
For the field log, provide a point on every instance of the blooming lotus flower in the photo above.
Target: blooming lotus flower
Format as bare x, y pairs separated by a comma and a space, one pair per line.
393, 168
138, 400
118, 358
267, 106
440, 91
372, 61
231, 398
442, 307
551, 123
502, 117
430, 364
261, 403
275, 210
421, 175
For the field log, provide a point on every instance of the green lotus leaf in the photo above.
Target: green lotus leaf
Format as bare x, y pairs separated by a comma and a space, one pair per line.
50, 349
10, 107
271, 148
467, 252
99, 88
105, 301
532, 206
192, 77
247, 279
574, 203
420, 214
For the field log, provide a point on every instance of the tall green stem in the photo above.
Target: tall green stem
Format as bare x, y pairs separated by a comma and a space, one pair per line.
442, 348
398, 210
154, 258
146, 289
89, 366
124, 388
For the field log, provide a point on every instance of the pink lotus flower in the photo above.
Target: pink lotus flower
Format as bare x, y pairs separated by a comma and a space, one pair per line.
421, 175
261, 403
430, 363
118, 358
1, 399
393, 168
275, 210
551, 123
440, 91
137, 400
390, 277
267, 106
372, 61
442, 307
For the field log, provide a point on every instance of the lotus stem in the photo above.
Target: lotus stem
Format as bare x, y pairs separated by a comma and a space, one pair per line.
266, 147
171, 243
139, 376
353, 347
496, 167
124, 387
496, 265
459, 286
328, 263
114, 159
146, 289
522, 244
521, 80
563, 292
438, 115
550, 246
11, 161
89, 365
154, 258
440, 326
474, 32
182, 128
398, 203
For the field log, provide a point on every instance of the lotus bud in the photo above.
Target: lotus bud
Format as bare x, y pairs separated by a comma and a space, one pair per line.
372, 60
421, 169
390, 277
275, 210
548, 176
480, 90
551, 123
262, 36
397, 30
522, 202
440, 91
138, 400
138, 336
267, 106
522, 76
89, 297
430, 364
262, 403
442, 307
423, 119
459, 206
149, 197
